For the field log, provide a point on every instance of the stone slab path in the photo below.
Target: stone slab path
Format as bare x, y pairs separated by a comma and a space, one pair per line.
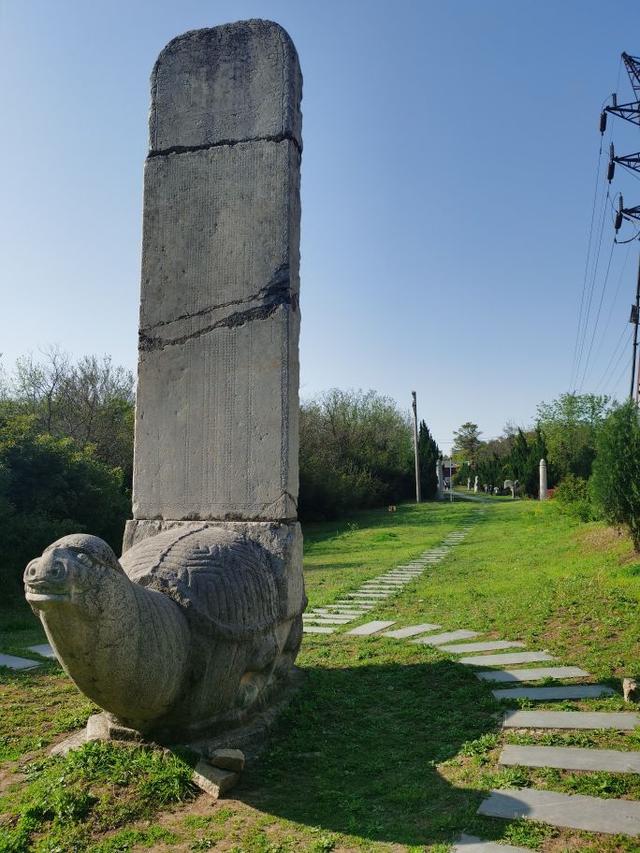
489, 646
546, 694
574, 811
43, 649
570, 720
505, 660
448, 636
533, 674
471, 844
411, 631
571, 758
13, 662
370, 628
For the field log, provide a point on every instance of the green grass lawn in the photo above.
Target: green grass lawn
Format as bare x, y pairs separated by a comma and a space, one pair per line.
387, 746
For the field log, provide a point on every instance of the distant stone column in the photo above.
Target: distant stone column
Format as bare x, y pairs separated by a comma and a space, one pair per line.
475, 484
440, 478
468, 484
543, 480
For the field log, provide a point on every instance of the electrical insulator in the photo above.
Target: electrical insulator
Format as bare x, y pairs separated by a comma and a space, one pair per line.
603, 121
634, 315
612, 164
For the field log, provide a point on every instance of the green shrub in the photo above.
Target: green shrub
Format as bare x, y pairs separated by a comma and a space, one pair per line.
574, 497
616, 470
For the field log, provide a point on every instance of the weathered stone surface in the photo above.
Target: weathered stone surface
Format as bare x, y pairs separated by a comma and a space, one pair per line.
448, 636
213, 780
570, 810
533, 674
489, 646
411, 631
228, 759
546, 694
231, 83
369, 628
506, 659
13, 662
473, 844
571, 758
219, 325
570, 720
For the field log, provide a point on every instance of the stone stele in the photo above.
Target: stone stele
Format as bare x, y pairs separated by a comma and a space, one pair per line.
197, 626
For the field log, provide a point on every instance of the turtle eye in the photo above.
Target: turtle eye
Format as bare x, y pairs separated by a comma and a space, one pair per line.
83, 558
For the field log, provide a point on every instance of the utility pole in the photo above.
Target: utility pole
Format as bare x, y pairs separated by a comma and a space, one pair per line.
629, 112
635, 312
414, 406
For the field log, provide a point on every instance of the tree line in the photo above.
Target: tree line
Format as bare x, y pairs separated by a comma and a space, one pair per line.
66, 454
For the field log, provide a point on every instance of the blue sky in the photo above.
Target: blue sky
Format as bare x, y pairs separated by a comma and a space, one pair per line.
448, 181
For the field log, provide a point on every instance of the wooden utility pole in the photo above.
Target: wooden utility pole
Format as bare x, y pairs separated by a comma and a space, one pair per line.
414, 406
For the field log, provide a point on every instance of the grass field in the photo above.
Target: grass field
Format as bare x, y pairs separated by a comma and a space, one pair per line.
388, 746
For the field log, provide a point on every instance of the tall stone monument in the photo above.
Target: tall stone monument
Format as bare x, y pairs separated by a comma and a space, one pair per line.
543, 480
202, 615
440, 480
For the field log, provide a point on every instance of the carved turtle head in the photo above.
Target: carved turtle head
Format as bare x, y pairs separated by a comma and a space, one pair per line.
69, 570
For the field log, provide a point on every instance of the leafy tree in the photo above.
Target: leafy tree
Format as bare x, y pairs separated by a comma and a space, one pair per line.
50, 487
355, 451
467, 443
523, 462
428, 454
616, 469
570, 426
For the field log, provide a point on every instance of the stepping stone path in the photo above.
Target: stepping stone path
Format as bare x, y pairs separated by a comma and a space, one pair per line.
571, 758
13, 662
541, 694
573, 811
569, 720
353, 605
566, 810
471, 844
534, 674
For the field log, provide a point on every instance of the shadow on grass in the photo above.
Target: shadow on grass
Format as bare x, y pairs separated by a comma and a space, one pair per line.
356, 752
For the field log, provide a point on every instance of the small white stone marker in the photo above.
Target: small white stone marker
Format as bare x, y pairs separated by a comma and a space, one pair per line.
570, 810
506, 659
535, 674
370, 628
43, 649
448, 636
571, 758
490, 646
13, 662
317, 629
570, 720
472, 844
578, 691
410, 631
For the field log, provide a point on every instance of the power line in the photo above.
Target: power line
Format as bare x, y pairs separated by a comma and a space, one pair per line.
595, 325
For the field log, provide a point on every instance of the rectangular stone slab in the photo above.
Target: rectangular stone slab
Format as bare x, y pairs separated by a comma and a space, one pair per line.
43, 649
571, 758
489, 646
541, 694
570, 720
13, 662
317, 629
506, 659
411, 631
448, 636
575, 811
534, 674
369, 628
473, 844
327, 620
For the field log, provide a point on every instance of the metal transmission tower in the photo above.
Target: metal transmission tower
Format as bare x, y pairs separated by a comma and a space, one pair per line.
630, 112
